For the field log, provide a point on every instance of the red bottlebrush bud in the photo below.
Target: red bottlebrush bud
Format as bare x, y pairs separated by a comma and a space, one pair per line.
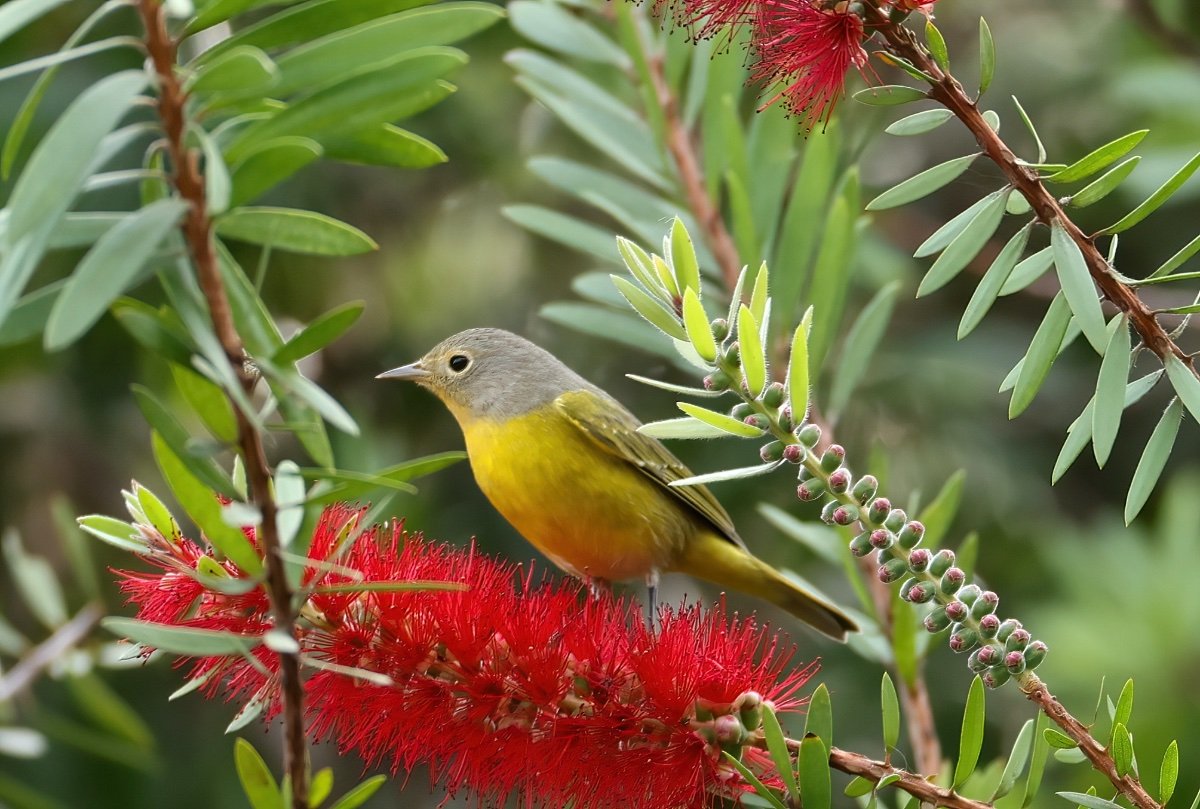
952, 580
964, 639
810, 490
809, 435
772, 452
844, 515
1014, 662
995, 677
988, 626
910, 535
839, 481
985, 604
484, 684
957, 610
793, 453
1017, 641
756, 420
918, 560
833, 457
1035, 654
920, 593
717, 381
989, 655
879, 510
882, 539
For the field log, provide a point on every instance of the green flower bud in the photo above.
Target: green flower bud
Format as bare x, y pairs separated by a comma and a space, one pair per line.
730, 730
749, 706
756, 420
910, 534
844, 515
918, 560
839, 481
833, 457
733, 355
892, 570
941, 562
879, 510
720, 329
1017, 641
988, 625
937, 620
909, 583
921, 593
964, 639
860, 546
740, 410
827, 511
1007, 628
882, 539
1014, 662
718, 380
809, 435
865, 489
772, 452
888, 554
985, 605
785, 420
774, 395
793, 453
996, 676
810, 490
957, 611
968, 594
804, 473
1035, 653
989, 655
895, 520
975, 664
952, 580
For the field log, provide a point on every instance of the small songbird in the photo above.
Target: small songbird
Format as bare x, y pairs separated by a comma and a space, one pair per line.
563, 462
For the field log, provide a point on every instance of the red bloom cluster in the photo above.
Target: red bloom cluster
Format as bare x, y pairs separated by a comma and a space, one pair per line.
508, 686
805, 47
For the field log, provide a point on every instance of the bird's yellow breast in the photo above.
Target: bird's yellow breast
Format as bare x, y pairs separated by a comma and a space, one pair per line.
590, 512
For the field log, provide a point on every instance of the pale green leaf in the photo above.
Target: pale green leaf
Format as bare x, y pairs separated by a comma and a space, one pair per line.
1168, 773
695, 322
720, 420
889, 95
1078, 287
654, 312
971, 740
1017, 760
753, 355
294, 230
798, 374
1109, 401
815, 787
778, 749
1156, 200
966, 244
257, 781
891, 713
1098, 159
922, 184
1106, 184
987, 56
1028, 271
1154, 458
1089, 801
361, 793
320, 333
555, 27
181, 640
920, 122
1043, 350
860, 345
1187, 385
993, 281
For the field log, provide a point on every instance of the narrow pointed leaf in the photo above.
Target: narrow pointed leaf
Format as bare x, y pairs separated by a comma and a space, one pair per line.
777, 747
295, 230
257, 781
695, 323
719, 420
1178, 260
1109, 401
760, 295
240, 69
941, 237
1106, 184
686, 427
1187, 385
115, 532
268, 164
861, 342
320, 333
754, 357
815, 787
987, 56
818, 720
993, 281
1154, 458
937, 45
759, 787
971, 740
1156, 200
1028, 271
1032, 130
1098, 159
1121, 748
1078, 287
1017, 760
728, 474
1088, 801
16, 14
361, 793
1168, 773
966, 244
889, 95
1043, 350
181, 640
919, 122
922, 184
683, 257
650, 309
798, 374
671, 386
891, 713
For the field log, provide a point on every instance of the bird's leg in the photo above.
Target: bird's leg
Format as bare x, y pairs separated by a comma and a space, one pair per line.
651, 598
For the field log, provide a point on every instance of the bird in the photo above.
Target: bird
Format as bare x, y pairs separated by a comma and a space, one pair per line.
563, 462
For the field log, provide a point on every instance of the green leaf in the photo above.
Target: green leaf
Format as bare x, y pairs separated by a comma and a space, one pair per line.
239, 70
939, 514
1175, 262
1037, 763
889, 95
937, 44
1078, 287
57, 169
16, 14
966, 244
320, 333
760, 295
1104, 156
818, 720
201, 504
941, 237
683, 257
115, 532
1187, 385
1109, 401
1122, 749
719, 420
1017, 760
1080, 431
153, 330
759, 788
268, 164
1168, 773
1103, 186
971, 740
295, 230
777, 747
1043, 350
1154, 458
891, 713
1028, 271
1124, 708
859, 787
993, 282
922, 184
385, 145
555, 27
798, 374
727, 474
28, 316
181, 640
36, 581
814, 774
695, 321
987, 56
655, 313
1041, 148
202, 467
361, 793
249, 712
860, 345
827, 294
681, 428
1155, 200
107, 269
1088, 801
257, 781
408, 83
567, 230
354, 486
289, 494
290, 379
320, 786
377, 42
608, 324
799, 231
753, 356
671, 386
919, 122
107, 710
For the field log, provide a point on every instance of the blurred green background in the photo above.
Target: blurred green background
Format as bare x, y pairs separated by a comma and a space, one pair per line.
1111, 602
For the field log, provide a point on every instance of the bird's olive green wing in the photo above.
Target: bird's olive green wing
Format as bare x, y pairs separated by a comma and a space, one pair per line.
614, 429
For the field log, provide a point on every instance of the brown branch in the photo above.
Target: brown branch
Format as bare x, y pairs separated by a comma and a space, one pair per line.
679, 144
946, 90
198, 232
66, 637
1128, 785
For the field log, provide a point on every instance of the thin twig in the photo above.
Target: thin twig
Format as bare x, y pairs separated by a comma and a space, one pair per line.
66, 637
198, 232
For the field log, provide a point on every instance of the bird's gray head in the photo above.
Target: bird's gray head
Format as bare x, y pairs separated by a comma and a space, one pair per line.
490, 373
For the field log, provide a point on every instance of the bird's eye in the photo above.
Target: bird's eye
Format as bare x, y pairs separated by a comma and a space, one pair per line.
459, 363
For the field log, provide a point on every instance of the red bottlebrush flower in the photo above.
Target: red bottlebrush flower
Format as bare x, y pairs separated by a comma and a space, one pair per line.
507, 686
808, 48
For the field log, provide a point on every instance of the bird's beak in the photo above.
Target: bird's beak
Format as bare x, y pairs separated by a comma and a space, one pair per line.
413, 372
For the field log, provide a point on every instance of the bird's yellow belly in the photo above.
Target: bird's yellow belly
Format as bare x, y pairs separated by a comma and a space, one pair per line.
592, 514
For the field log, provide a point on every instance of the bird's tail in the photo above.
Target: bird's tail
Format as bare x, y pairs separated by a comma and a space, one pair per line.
716, 559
